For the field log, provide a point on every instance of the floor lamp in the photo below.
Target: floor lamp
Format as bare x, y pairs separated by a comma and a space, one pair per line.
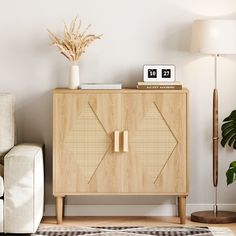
214, 37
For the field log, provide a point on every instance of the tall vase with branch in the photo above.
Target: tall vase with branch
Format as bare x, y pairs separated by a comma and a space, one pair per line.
72, 45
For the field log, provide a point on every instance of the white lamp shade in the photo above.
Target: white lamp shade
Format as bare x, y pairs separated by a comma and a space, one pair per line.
214, 36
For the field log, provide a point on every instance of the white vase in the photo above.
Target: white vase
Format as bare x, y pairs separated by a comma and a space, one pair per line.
74, 76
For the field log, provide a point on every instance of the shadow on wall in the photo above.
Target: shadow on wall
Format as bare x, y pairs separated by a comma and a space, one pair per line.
120, 200
132, 77
177, 40
34, 125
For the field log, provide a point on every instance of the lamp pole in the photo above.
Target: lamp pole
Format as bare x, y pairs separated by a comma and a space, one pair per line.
215, 136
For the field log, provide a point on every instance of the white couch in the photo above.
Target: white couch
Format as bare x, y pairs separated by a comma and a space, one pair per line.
21, 177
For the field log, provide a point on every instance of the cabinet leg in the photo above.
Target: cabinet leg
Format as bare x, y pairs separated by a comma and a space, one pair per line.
63, 208
182, 209
178, 207
59, 209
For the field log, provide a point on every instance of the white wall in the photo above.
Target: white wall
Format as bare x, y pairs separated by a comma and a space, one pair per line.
135, 32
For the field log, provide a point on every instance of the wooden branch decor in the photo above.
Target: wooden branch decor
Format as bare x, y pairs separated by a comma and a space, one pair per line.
74, 41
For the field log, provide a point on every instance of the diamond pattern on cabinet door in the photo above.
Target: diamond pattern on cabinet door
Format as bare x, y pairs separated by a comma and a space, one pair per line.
88, 141
154, 142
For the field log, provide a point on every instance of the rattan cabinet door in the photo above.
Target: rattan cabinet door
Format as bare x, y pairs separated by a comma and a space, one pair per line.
83, 158
156, 161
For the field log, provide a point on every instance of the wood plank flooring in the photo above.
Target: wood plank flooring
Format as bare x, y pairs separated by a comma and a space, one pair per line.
128, 221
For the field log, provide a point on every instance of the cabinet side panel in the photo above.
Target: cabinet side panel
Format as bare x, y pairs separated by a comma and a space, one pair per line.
54, 134
187, 143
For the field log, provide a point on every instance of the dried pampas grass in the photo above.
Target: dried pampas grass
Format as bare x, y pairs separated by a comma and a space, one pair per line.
74, 41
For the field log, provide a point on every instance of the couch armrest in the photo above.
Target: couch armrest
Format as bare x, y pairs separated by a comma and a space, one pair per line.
24, 188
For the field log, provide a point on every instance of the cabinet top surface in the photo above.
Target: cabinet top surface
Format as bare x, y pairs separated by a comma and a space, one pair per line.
125, 90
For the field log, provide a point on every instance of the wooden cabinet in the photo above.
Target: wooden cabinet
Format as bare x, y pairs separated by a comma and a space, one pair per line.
123, 142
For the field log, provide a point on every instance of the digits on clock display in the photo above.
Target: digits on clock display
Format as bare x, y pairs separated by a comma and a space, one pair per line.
152, 73
166, 73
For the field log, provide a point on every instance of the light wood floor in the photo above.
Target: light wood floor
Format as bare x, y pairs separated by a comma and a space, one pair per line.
127, 221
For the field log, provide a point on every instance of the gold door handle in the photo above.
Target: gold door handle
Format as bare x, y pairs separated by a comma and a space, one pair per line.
116, 141
125, 141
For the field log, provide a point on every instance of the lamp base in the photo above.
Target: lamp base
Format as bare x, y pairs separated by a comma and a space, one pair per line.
221, 217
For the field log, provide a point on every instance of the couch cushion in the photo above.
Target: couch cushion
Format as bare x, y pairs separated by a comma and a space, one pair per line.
1, 185
23, 188
7, 123
1, 215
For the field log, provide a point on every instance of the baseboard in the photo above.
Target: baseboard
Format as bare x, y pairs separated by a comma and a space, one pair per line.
132, 210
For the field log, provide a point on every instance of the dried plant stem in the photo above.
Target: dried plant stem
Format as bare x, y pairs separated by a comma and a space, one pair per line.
73, 43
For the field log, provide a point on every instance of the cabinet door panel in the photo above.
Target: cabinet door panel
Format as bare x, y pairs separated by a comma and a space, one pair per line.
83, 143
156, 161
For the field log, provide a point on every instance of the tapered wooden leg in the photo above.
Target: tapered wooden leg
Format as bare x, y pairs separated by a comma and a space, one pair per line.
59, 209
63, 208
178, 207
182, 209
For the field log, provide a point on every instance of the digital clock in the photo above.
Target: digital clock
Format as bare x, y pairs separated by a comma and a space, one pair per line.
159, 73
